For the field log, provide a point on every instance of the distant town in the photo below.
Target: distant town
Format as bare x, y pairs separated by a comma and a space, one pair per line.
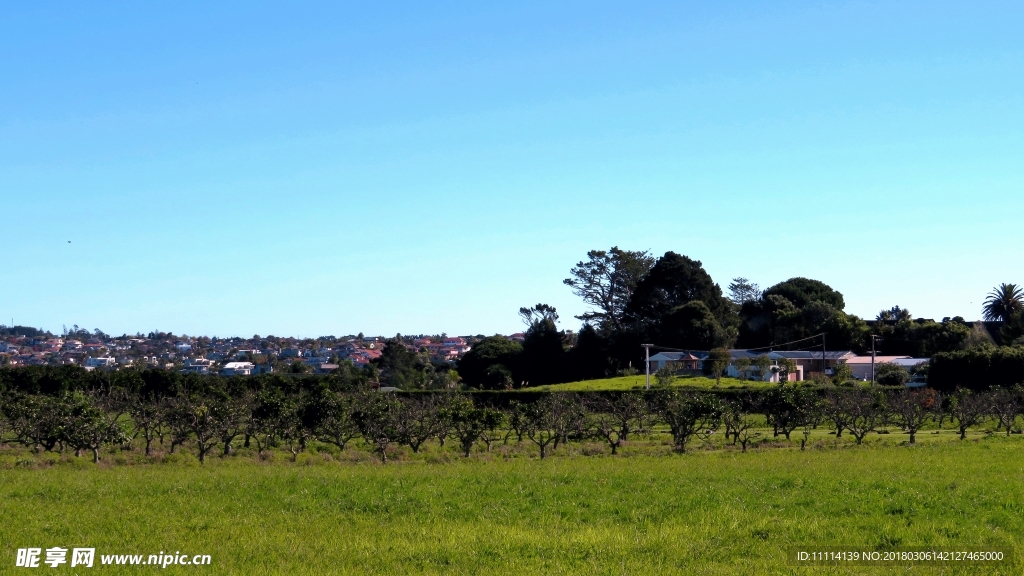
23, 346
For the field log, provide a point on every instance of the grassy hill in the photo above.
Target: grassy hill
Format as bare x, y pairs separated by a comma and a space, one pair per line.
638, 383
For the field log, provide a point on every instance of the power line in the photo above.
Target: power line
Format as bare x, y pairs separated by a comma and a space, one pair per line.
748, 349
788, 343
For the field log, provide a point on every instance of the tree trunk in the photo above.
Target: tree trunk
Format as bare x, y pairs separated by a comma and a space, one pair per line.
913, 434
95, 455
149, 441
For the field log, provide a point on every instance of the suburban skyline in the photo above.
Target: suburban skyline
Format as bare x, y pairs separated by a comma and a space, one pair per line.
325, 169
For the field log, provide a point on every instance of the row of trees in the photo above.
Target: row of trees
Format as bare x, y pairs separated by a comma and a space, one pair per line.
673, 302
213, 415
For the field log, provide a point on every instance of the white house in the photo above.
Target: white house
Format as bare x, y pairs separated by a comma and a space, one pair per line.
806, 361
101, 362
237, 369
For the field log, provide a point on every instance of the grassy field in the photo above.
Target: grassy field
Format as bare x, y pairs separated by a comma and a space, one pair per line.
712, 511
638, 383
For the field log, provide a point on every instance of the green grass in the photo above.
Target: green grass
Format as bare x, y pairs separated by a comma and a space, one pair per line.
707, 512
639, 382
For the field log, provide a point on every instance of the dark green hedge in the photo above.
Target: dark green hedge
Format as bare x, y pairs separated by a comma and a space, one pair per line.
977, 369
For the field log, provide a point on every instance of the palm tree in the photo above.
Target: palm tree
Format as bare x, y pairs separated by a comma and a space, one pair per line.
1003, 301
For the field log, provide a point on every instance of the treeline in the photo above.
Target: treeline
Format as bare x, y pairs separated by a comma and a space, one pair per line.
215, 415
673, 302
977, 368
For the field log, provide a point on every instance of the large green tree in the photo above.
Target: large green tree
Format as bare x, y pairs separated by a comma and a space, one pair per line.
802, 291
800, 308
693, 326
543, 360
491, 351
675, 280
606, 281
399, 365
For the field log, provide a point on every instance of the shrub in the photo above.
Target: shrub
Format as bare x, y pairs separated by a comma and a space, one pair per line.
665, 377
888, 374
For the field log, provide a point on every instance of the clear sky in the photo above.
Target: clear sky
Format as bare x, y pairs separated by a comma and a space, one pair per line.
321, 168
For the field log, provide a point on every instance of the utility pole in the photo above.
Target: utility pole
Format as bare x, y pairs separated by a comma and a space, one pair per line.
647, 361
873, 338
823, 355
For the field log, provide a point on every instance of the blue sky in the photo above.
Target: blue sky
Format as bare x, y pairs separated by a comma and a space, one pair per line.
311, 169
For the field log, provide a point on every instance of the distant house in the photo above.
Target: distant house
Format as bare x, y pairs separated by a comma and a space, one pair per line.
807, 362
197, 366
101, 362
811, 360
237, 369
861, 365
678, 361
345, 349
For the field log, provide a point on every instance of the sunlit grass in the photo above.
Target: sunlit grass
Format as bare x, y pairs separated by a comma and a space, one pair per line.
639, 382
506, 512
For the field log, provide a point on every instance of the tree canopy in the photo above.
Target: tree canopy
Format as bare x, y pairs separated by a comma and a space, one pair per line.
802, 291
491, 351
675, 280
605, 281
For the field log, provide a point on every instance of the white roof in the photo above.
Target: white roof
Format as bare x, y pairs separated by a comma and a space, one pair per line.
878, 359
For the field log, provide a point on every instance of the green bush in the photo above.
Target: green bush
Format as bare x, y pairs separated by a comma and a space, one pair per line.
977, 368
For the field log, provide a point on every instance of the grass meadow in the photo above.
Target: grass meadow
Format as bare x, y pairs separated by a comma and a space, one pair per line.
713, 510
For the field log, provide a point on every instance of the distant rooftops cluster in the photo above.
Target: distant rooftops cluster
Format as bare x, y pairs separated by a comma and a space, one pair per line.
226, 356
